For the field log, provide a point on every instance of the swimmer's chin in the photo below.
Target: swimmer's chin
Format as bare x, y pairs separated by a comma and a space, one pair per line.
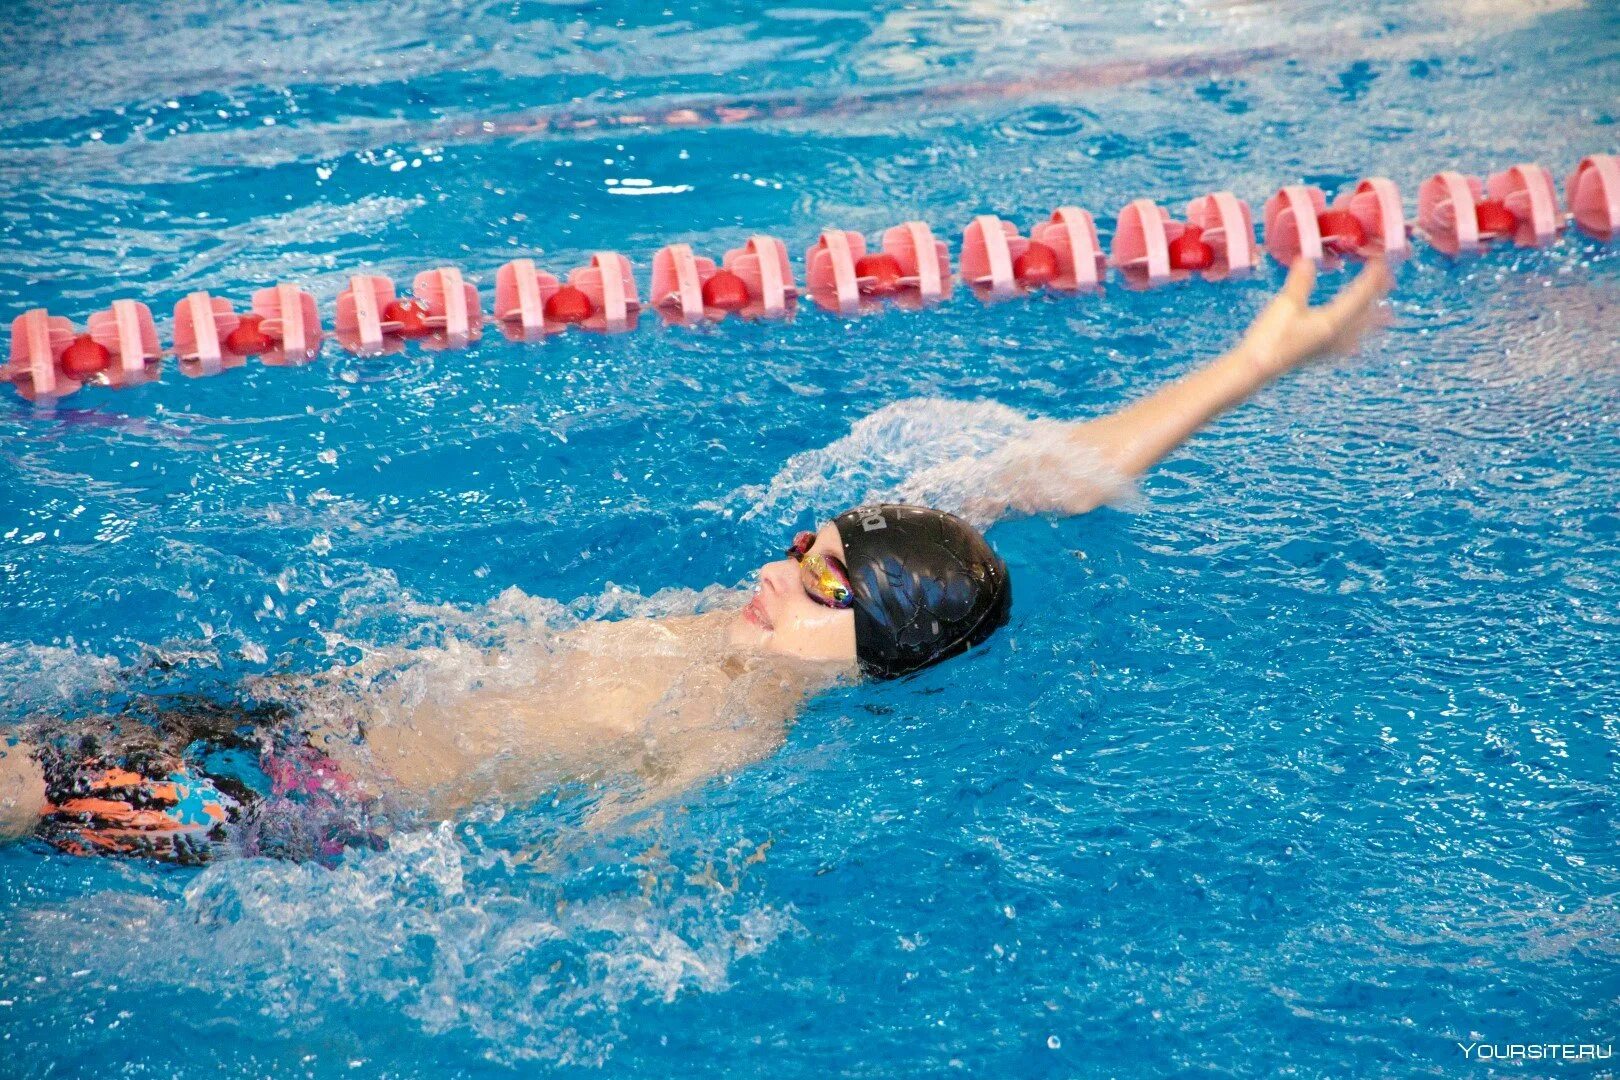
751, 641
747, 634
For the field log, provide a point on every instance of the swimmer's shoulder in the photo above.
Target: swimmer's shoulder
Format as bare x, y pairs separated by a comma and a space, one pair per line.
654, 633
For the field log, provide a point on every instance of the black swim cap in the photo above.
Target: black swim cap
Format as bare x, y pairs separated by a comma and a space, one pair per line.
926, 586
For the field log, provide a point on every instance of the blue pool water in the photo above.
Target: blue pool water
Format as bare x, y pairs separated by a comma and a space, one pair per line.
1303, 763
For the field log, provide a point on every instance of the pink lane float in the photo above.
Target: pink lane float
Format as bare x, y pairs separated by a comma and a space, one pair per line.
373, 320
1593, 191
1061, 253
1459, 218
762, 266
51, 359
1458, 214
912, 269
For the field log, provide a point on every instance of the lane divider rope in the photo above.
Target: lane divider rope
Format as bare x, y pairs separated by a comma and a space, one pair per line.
1459, 215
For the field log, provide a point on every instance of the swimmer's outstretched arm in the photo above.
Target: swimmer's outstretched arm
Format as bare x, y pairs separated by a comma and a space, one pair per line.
1288, 334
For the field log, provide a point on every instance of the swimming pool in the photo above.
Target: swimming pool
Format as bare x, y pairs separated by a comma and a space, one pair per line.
1305, 762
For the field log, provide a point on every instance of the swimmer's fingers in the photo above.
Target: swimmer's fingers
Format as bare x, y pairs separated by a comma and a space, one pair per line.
1358, 309
1362, 295
1277, 339
1290, 332
1301, 280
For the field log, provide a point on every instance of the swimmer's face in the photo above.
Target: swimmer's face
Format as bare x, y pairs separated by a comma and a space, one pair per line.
783, 618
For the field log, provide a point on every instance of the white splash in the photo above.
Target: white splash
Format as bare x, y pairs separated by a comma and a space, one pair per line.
979, 459
38, 678
446, 938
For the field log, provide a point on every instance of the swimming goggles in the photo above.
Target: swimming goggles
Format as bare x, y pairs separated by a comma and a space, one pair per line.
824, 577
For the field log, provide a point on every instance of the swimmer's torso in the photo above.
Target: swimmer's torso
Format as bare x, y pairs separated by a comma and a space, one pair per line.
661, 699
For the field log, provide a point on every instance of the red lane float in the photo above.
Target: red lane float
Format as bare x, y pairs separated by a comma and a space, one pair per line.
406, 317
725, 292
568, 306
1593, 191
878, 274
1037, 267
249, 338
84, 358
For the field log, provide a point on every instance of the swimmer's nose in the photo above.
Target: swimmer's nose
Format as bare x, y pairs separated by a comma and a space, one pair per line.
770, 575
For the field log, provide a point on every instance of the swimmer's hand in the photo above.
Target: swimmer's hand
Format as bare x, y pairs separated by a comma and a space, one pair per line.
1289, 332
1095, 460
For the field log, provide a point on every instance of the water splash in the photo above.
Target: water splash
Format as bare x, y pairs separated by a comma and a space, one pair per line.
977, 459
435, 930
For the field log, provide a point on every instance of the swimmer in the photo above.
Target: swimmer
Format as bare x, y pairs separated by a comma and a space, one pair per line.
880, 591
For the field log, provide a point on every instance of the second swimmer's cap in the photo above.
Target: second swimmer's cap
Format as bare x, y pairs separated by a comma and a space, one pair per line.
926, 586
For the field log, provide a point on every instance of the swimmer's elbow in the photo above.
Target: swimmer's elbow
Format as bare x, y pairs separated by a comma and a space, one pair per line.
22, 791
1061, 472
